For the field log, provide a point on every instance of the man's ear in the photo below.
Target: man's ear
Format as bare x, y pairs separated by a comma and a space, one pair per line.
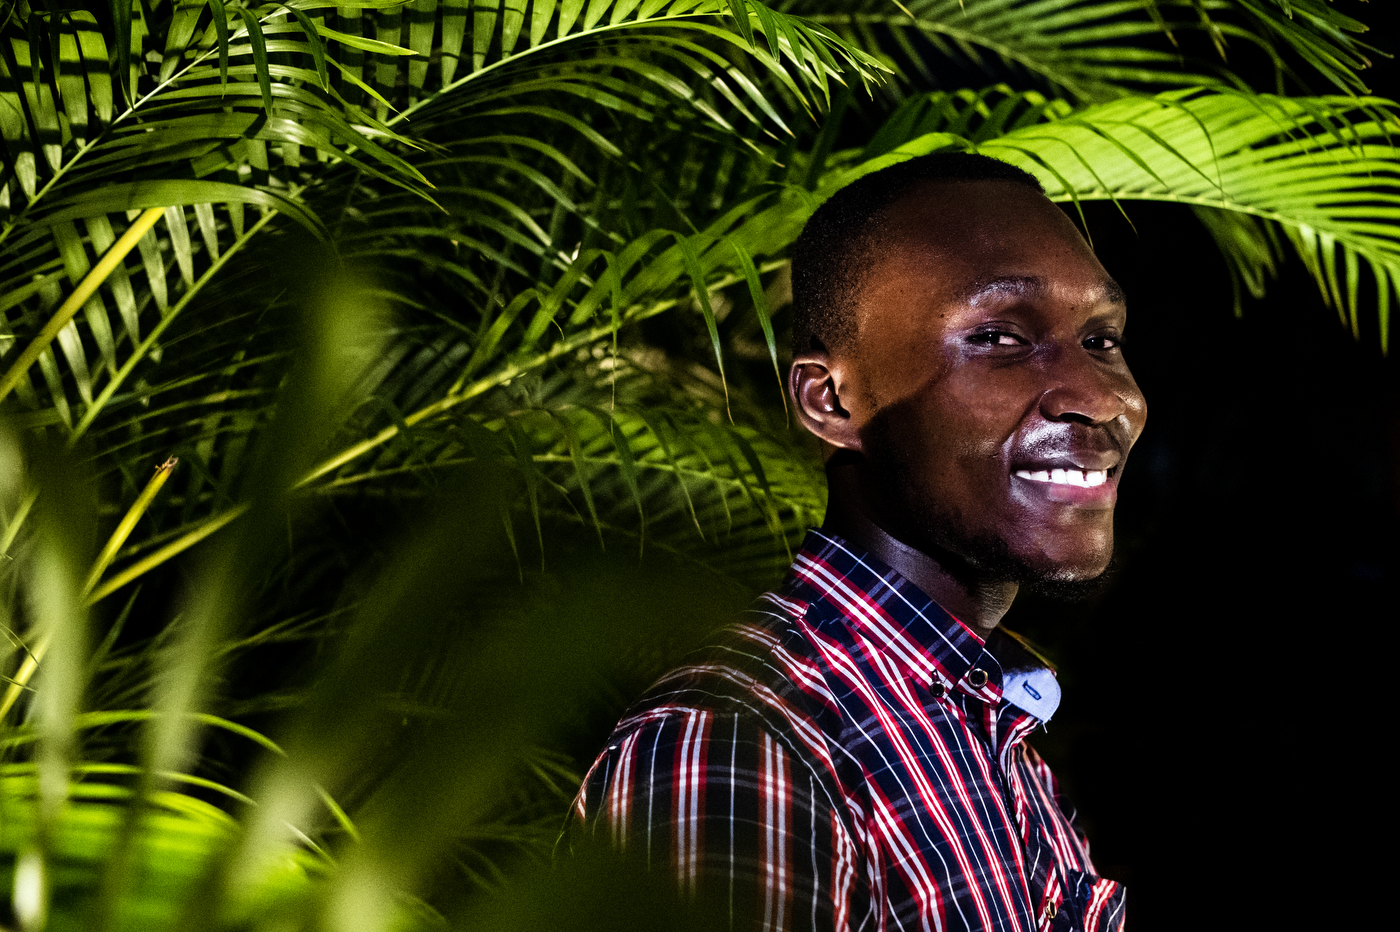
815, 384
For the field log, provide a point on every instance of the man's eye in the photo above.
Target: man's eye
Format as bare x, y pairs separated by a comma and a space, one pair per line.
1102, 342
995, 338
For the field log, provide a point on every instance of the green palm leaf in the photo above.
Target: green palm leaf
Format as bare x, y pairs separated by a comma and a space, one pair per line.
193, 116
227, 110
187, 138
1096, 49
1089, 49
1319, 171
1329, 184
1315, 30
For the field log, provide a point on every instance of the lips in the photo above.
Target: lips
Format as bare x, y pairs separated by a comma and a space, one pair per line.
1084, 477
1058, 465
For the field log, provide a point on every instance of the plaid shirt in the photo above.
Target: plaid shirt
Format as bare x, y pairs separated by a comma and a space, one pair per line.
852, 757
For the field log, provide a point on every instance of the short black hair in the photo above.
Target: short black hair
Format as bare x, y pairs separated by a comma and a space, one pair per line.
840, 235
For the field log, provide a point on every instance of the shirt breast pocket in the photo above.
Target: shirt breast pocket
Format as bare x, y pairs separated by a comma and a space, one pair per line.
1091, 904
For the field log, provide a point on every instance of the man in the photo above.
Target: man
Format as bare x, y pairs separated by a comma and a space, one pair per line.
852, 756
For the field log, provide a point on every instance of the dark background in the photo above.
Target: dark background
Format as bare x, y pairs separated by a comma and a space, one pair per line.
1219, 727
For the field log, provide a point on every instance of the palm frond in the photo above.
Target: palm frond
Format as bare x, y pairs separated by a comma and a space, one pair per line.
191, 138
975, 115
1086, 49
1093, 50
1319, 33
215, 111
219, 113
481, 38
1319, 169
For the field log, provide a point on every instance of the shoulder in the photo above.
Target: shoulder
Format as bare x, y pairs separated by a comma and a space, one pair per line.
763, 668
759, 688
724, 771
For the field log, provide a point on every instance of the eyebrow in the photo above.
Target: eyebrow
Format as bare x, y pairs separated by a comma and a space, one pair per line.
1031, 286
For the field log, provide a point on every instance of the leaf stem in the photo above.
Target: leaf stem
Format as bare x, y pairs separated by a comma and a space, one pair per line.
181, 544
128, 522
90, 283
138, 508
141, 351
569, 344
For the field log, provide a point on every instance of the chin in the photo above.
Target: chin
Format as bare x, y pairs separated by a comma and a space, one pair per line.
1054, 559
1042, 570
1073, 571
1071, 585
1081, 555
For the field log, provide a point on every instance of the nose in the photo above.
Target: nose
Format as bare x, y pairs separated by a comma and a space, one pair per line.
1085, 389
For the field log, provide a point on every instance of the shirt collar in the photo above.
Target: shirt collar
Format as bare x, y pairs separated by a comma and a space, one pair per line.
843, 583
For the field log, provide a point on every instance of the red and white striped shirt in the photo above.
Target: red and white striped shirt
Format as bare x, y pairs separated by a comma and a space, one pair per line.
852, 757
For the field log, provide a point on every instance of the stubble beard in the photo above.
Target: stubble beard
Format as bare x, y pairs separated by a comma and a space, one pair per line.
924, 522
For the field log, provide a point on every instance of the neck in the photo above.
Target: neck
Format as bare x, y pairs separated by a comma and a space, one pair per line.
977, 602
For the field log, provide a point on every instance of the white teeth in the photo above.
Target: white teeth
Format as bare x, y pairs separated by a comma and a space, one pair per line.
1084, 478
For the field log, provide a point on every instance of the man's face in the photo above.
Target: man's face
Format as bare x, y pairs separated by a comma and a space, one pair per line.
986, 381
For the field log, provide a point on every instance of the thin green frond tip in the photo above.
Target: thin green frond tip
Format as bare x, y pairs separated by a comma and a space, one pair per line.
526, 464
128, 522
628, 464
1384, 283
363, 44
702, 294
221, 31
121, 27
317, 44
580, 472
339, 814
260, 62
760, 307
739, 9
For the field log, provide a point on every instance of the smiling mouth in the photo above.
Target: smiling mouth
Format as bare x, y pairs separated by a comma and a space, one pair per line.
1081, 478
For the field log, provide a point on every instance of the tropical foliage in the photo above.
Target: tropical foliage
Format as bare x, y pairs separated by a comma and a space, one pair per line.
462, 319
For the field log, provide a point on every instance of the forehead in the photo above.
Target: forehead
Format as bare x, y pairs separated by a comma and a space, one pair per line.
973, 215
944, 243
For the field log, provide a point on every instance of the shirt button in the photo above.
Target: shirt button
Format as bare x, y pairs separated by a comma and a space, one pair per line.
977, 677
938, 690
1051, 910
